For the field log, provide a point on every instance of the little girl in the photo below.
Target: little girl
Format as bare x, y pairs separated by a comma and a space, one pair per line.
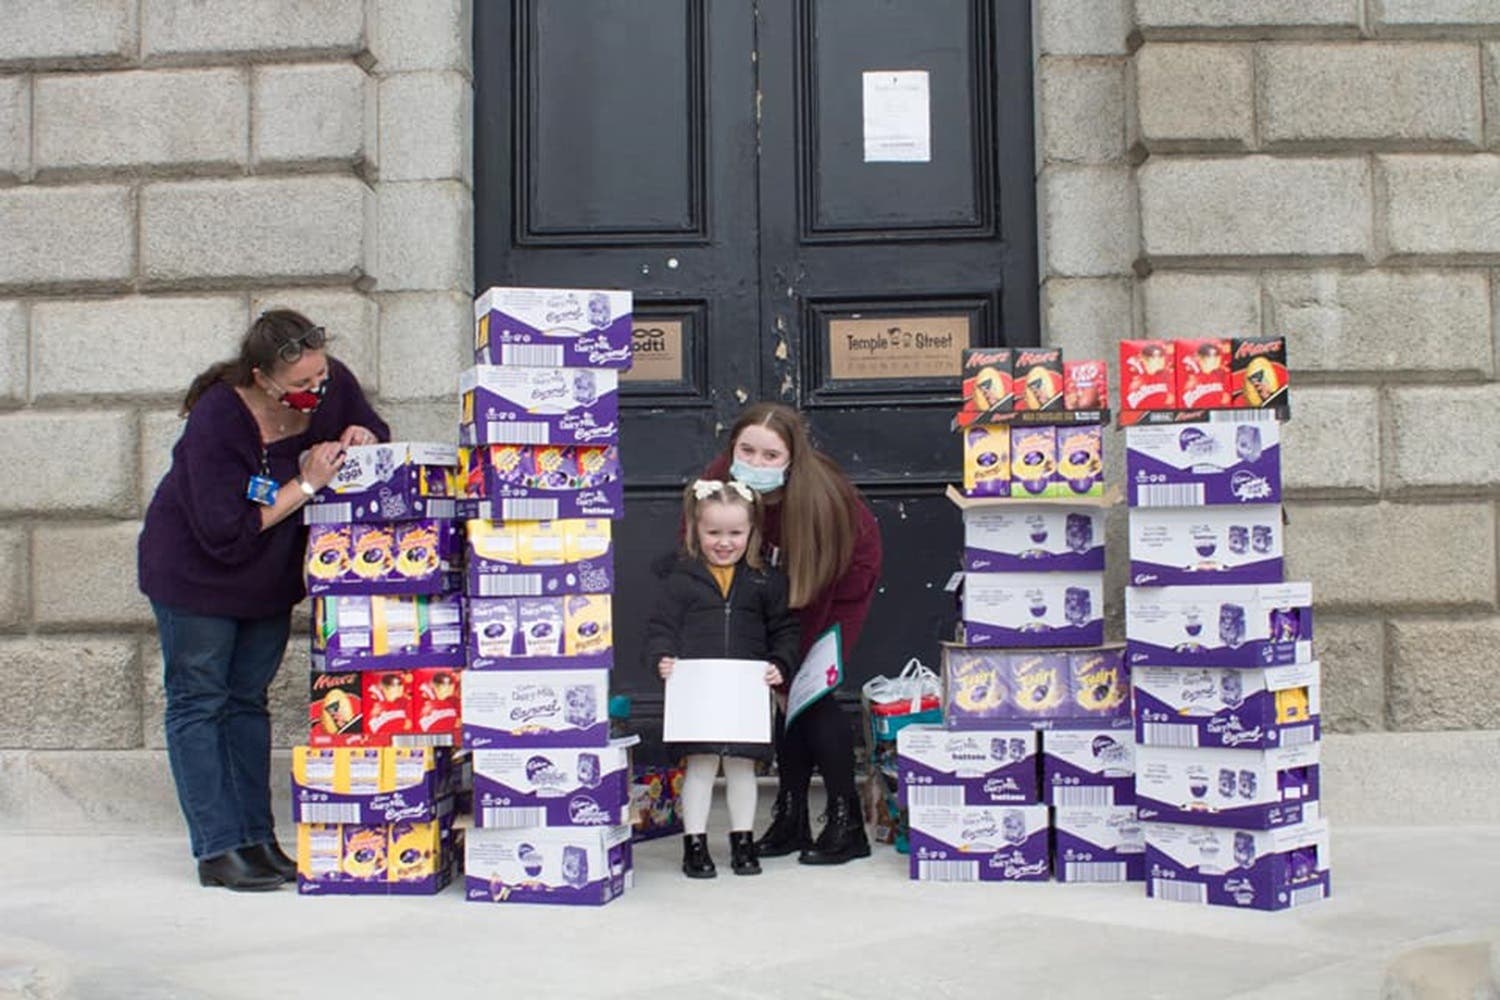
719, 601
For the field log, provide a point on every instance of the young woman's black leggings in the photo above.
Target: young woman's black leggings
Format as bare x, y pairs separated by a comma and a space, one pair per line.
819, 739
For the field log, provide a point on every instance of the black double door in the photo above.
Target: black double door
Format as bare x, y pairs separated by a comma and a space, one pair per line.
814, 201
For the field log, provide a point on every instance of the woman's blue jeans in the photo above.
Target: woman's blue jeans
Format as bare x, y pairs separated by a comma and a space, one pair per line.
217, 672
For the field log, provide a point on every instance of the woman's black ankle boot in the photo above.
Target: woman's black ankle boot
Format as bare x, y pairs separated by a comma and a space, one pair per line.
843, 839
695, 860
790, 830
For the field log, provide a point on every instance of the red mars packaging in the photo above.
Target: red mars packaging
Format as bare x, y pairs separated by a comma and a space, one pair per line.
1038, 381
1258, 371
1203, 380
987, 384
1085, 385
335, 710
1148, 375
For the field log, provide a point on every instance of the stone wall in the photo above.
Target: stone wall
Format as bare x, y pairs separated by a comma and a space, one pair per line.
168, 169
1326, 169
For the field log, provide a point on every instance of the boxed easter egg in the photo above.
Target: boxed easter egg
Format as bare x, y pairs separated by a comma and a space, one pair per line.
1033, 460
539, 558
535, 708
399, 557
553, 327
1079, 471
1258, 372
1215, 786
565, 786
979, 843
1252, 869
1203, 377
1251, 707
1200, 545
1148, 375
504, 405
1098, 844
1244, 625
542, 482
987, 460
1035, 688
531, 633
370, 785
397, 481
391, 859
358, 631
986, 385
1088, 767
1085, 385
1038, 378
1032, 609
1190, 465
575, 866
937, 766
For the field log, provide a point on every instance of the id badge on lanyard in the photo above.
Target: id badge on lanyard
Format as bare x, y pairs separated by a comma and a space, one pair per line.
262, 489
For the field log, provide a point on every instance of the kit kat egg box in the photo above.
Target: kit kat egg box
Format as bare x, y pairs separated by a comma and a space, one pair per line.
1215, 786
1248, 707
359, 631
535, 708
1098, 844
1088, 767
979, 843
1038, 538
565, 786
553, 327
1244, 625
538, 633
398, 557
544, 482
1086, 385
1206, 545
1032, 609
369, 785
937, 766
1250, 869
505, 405
398, 481
574, 866
1198, 464
539, 558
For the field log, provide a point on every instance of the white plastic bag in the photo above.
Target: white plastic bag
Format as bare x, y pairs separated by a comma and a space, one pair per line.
915, 682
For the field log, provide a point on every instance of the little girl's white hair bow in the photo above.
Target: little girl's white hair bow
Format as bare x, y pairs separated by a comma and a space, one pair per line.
705, 488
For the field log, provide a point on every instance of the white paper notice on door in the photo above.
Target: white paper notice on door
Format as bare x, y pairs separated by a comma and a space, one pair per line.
898, 116
717, 701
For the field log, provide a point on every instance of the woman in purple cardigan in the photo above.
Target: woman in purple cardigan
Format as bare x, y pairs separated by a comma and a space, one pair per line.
220, 558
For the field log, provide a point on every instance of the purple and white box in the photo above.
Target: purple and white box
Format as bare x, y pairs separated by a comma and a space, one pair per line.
979, 844
395, 557
1098, 686
547, 482
1099, 844
539, 406
940, 767
1251, 869
1205, 545
1033, 609
1038, 538
1210, 786
1088, 767
535, 708
371, 632
1245, 625
574, 866
553, 328
533, 559
1192, 465
398, 481
1003, 689
568, 786
1246, 707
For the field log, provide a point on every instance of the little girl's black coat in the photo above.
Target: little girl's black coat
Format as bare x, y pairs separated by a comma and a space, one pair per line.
693, 620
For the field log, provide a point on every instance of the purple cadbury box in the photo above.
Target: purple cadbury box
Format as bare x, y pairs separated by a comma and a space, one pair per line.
561, 787
539, 406
1215, 786
553, 327
938, 766
572, 866
1251, 869
979, 844
1192, 465
1250, 708
1098, 844
1088, 767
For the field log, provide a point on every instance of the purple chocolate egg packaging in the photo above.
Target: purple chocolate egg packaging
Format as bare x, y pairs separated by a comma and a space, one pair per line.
541, 480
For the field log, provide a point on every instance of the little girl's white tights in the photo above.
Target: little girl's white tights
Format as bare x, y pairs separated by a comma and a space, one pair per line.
698, 791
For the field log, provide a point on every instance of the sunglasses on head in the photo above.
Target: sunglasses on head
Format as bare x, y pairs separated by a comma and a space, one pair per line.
313, 340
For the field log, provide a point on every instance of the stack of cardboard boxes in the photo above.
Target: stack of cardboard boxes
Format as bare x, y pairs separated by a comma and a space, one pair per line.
1030, 657
540, 468
1226, 691
374, 791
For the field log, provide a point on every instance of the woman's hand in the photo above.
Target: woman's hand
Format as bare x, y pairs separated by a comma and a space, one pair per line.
356, 435
664, 666
321, 463
773, 675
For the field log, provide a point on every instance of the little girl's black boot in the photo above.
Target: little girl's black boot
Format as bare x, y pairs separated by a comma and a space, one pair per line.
742, 853
695, 860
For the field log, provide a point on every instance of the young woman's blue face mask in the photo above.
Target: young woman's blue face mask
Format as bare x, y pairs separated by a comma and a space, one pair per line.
758, 477
760, 459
